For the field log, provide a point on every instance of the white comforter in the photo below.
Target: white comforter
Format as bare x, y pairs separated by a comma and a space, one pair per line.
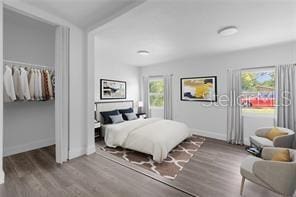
153, 136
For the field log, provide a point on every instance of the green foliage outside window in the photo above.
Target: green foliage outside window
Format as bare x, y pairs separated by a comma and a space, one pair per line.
156, 86
156, 90
255, 81
156, 101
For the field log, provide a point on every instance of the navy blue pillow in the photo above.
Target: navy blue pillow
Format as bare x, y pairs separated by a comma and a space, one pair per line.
125, 111
106, 115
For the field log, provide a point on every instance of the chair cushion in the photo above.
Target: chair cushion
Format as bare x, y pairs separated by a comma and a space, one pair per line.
275, 132
261, 141
281, 155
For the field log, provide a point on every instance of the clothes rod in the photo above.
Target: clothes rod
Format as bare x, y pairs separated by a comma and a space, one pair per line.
27, 64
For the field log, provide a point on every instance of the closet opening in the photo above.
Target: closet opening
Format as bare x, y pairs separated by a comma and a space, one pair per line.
30, 88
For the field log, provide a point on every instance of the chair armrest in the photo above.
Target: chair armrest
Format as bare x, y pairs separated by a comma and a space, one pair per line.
283, 141
280, 176
261, 132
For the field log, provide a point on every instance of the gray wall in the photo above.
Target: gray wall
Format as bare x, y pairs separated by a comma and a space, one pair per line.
212, 120
28, 125
106, 69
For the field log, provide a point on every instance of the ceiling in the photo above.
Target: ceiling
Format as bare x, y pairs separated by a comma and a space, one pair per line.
176, 29
85, 13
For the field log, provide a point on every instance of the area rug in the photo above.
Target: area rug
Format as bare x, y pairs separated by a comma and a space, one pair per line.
168, 168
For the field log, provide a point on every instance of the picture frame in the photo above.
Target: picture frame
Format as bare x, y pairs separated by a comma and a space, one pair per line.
203, 89
112, 89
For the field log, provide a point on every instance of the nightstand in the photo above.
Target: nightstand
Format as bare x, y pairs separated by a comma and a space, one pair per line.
97, 129
142, 115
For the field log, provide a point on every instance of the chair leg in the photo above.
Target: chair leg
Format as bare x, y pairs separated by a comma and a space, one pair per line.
242, 186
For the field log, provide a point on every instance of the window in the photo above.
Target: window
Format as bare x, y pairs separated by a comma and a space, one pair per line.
156, 93
258, 91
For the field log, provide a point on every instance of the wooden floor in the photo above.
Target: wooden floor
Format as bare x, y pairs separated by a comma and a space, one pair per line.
35, 174
213, 171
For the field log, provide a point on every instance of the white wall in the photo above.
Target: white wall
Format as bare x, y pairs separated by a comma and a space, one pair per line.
106, 68
211, 121
78, 70
28, 125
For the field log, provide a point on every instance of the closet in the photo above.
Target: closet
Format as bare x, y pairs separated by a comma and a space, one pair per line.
29, 53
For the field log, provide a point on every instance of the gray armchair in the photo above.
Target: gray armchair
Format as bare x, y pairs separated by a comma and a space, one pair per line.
260, 141
276, 176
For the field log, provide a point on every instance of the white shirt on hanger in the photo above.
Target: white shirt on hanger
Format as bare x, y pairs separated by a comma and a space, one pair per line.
32, 84
25, 83
17, 83
9, 93
36, 85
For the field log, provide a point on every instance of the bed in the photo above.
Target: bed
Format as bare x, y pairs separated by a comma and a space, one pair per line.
153, 136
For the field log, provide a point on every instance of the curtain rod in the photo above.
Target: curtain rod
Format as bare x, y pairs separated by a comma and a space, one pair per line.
27, 64
155, 76
258, 67
250, 68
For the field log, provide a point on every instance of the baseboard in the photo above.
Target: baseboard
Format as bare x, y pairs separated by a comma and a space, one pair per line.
215, 135
2, 175
91, 149
209, 134
27, 147
76, 152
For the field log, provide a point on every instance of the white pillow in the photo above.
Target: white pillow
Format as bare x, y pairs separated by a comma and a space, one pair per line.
116, 118
131, 116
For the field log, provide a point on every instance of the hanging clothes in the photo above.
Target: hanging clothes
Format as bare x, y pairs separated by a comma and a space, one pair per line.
53, 82
49, 85
17, 84
39, 85
9, 93
46, 91
43, 85
32, 84
36, 85
25, 83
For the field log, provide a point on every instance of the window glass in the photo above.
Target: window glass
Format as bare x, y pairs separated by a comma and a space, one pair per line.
258, 91
156, 91
156, 86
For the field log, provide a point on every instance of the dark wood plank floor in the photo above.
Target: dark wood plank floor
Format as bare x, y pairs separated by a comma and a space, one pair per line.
35, 173
213, 171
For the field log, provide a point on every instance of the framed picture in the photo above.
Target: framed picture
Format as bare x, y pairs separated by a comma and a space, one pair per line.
199, 89
111, 89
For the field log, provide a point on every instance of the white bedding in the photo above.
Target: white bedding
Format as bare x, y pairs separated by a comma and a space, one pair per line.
153, 136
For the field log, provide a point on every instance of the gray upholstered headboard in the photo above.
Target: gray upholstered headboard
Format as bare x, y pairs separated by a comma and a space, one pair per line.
112, 105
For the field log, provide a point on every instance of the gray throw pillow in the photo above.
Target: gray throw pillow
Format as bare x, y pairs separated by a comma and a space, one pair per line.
131, 116
116, 119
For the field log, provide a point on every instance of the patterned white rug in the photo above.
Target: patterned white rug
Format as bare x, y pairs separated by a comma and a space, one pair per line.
168, 168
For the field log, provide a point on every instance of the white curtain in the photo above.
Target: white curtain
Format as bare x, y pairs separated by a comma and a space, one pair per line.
286, 93
168, 109
145, 94
62, 92
235, 133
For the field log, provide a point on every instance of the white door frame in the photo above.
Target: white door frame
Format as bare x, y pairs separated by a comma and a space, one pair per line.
90, 140
61, 102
